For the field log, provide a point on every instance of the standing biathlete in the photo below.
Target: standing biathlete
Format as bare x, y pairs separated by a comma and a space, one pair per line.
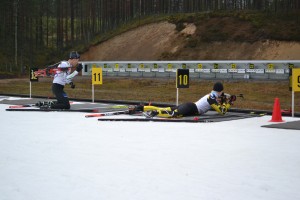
62, 77
216, 99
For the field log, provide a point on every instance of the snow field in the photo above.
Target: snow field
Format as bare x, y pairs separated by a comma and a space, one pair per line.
56, 155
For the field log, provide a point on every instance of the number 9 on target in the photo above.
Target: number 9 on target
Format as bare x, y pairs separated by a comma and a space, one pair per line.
296, 80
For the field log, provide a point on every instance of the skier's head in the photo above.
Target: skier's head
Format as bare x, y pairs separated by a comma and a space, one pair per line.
74, 58
218, 87
74, 55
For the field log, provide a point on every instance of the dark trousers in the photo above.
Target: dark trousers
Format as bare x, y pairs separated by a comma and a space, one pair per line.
186, 109
61, 97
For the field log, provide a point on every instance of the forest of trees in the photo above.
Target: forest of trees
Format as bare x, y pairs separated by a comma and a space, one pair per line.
33, 29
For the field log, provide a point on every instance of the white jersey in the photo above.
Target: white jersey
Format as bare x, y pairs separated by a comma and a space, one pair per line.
203, 105
64, 77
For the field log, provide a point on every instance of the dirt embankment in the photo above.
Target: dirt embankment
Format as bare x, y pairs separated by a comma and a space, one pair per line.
161, 41
143, 43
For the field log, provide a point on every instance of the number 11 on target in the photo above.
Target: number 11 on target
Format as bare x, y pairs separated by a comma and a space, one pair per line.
96, 80
97, 76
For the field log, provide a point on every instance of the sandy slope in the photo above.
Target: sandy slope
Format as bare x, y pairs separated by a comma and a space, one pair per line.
151, 41
146, 42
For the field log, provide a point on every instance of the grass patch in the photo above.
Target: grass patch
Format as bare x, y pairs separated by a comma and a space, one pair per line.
258, 94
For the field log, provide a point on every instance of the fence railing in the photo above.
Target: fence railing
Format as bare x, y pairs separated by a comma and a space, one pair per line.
229, 69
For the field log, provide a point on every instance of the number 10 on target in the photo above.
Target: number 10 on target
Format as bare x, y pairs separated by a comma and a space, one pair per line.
96, 80
182, 81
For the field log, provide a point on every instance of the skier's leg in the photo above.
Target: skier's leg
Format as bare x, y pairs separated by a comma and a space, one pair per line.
62, 98
186, 109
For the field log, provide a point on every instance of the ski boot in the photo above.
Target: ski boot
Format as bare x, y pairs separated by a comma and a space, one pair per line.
39, 104
46, 105
135, 108
150, 113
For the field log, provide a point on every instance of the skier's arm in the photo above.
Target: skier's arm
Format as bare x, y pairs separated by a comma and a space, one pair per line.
71, 76
221, 108
75, 73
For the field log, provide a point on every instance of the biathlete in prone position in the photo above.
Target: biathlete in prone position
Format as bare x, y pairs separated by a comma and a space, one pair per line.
216, 100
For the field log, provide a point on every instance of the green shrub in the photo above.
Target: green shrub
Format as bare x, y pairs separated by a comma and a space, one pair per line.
191, 42
180, 26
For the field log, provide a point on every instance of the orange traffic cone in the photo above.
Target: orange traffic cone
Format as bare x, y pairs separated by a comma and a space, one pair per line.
276, 115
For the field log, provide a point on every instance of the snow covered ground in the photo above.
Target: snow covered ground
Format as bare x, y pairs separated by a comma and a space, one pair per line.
56, 155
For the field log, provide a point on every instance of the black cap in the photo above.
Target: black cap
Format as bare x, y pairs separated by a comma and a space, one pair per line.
74, 55
218, 87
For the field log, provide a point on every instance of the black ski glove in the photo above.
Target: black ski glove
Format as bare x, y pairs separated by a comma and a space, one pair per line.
72, 85
232, 99
223, 98
79, 68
